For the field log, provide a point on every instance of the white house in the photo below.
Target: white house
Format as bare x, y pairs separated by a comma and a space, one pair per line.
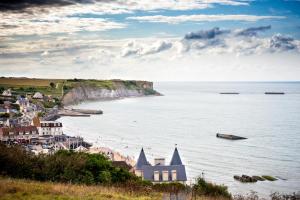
7, 92
48, 127
38, 95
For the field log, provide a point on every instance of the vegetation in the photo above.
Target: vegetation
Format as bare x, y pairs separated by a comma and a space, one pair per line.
90, 169
203, 188
11, 189
149, 91
2, 90
131, 85
274, 196
4, 115
269, 178
58, 87
63, 166
41, 114
52, 85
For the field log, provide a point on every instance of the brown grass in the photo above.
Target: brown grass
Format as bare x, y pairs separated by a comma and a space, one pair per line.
28, 82
19, 189
24, 189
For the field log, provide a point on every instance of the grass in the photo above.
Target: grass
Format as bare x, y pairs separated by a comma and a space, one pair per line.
11, 189
28, 81
31, 85
19, 189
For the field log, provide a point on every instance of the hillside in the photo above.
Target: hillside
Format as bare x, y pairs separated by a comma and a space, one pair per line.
71, 91
24, 189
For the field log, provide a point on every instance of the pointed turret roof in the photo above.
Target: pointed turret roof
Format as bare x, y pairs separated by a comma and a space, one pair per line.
176, 160
142, 160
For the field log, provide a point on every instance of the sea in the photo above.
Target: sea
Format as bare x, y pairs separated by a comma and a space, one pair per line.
189, 114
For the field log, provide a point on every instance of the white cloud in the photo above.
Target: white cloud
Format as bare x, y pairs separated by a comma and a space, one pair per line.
248, 57
45, 53
66, 19
26, 24
201, 18
135, 48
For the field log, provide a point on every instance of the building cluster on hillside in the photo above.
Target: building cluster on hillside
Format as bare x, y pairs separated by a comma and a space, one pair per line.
41, 137
20, 124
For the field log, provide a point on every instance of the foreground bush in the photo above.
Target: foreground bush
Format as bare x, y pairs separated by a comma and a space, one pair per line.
63, 166
209, 189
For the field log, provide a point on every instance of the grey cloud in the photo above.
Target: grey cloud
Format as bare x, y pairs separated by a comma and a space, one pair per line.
17, 5
205, 34
281, 42
252, 31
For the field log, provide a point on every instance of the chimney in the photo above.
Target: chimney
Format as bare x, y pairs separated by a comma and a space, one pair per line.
159, 161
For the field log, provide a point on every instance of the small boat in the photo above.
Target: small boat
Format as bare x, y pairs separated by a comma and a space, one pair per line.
230, 137
229, 93
281, 93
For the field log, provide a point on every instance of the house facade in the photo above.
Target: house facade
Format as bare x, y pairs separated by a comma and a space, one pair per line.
159, 172
48, 127
18, 133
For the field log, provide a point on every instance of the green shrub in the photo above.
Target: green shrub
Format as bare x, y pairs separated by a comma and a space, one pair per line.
4, 115
130, 84
209, 189
269, 178
104, 177
149, 91
63, 166
52, 85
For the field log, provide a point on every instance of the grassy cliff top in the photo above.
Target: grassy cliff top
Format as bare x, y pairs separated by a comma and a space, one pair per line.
58, 87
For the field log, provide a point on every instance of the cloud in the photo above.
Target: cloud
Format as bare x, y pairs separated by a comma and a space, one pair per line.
44, 24
284, 43
119, 6
205, 34
200, 18
134, 48
157, 47
252, 31
22, 4
45, 53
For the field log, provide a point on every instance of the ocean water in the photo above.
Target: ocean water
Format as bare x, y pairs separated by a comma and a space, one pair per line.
190, 114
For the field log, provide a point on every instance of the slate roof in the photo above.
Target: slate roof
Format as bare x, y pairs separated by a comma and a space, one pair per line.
148, 169
142, 160
176, 160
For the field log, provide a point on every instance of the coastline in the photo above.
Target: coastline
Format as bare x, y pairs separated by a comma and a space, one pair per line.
142, 127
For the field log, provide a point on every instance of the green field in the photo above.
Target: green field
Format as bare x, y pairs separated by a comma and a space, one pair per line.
58, 87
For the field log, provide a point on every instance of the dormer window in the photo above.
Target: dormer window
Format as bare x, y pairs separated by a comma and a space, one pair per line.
156, 175
174, 175
165, 176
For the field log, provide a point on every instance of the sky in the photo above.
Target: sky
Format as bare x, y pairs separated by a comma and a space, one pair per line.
156, 40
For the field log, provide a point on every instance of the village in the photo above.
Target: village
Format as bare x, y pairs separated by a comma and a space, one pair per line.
25, 121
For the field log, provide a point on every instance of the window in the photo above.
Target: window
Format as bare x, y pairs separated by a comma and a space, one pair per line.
156, 175
139, 173
165, 175
174, 175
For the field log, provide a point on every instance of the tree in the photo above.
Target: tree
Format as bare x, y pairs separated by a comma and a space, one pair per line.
52, 85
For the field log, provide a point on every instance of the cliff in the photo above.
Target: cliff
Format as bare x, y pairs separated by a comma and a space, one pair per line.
86, 90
